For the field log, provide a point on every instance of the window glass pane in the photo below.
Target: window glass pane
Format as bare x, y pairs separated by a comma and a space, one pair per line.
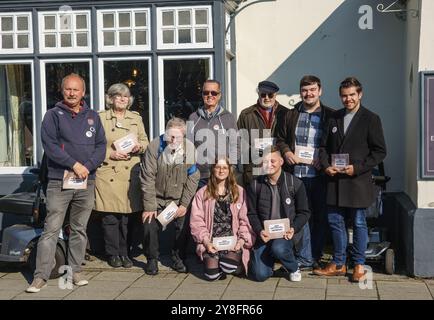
183, 80
201, 35
124, 20
65, 40
184, 18
7, 24
22, 23
125, 38
135, 75
201, 16
7, 41
108, 20
23, 41
82, 39
16, 114
168, 36
141, 19
50, 40
168, 18
109, 38
65, 22
140, 37
81, 22
184, 36
50, 22
54, 73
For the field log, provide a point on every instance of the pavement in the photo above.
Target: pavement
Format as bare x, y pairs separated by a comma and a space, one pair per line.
106, 283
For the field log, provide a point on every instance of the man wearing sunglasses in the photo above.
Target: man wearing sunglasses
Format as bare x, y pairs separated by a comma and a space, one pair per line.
214, 131
259, 122
298, 137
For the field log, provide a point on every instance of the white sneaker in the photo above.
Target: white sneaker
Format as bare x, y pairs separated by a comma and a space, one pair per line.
78, 280
36, 285
295, 276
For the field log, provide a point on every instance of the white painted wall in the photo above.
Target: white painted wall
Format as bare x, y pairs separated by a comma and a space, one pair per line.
425, 195
283, 40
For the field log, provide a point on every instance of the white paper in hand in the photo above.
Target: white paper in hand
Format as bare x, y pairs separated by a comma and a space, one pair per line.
167, 215
126, 144
276, 228
224, 243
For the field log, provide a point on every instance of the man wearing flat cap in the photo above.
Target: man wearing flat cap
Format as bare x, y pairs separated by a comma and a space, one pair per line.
259, 124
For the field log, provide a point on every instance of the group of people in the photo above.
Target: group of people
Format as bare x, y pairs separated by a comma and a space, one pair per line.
310, 165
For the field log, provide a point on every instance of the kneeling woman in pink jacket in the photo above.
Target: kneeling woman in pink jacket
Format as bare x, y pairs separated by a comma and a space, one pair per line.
219, 209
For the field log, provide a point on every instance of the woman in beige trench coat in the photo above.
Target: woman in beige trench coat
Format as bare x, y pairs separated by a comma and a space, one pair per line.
117, 185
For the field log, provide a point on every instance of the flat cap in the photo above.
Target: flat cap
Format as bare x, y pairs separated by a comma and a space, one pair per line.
267, 87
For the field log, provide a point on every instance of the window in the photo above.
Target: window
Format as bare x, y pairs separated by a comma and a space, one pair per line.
16, 115
16, 33
182, 78
53, 72
135, 74
123, 30
64, 31
184, 27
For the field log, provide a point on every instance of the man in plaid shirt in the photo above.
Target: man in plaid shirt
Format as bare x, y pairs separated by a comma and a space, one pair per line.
298, 137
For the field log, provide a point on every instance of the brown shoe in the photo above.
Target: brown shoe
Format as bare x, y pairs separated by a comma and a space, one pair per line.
358, 273
331, 270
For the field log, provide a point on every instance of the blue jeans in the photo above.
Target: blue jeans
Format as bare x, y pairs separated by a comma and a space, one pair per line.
304, 249
316, 195
264, 256
336, 217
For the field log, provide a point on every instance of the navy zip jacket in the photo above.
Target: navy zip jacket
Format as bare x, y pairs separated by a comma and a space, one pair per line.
68, 138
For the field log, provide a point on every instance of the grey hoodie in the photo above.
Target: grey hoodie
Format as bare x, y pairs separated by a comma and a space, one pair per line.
223, 127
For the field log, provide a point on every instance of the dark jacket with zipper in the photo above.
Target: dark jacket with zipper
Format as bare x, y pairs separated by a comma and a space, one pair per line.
68, 138
260, 198
285, 128
364, 142
249, 119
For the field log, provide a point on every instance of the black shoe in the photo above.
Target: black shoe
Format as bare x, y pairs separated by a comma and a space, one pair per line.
223, 276
115, 261
126, 262
179, 266
152, 267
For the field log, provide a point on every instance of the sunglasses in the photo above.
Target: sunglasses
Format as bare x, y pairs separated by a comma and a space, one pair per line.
264, 95
213, 93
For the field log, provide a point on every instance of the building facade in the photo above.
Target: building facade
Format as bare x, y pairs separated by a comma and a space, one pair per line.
163, 50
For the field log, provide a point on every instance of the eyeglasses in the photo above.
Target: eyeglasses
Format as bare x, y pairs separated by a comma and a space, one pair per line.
213, 93
264, 95
118, 96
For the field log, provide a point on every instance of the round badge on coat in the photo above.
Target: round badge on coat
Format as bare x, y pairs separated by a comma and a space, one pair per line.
60, 112
334, 130
118, 124
88, 134
238, 206
288, 201
90, 121
216, 127
92, 129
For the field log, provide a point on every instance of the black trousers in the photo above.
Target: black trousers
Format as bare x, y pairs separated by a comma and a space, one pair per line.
115, 227
151, 232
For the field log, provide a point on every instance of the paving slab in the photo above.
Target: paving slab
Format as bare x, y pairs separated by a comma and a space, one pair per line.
193, 295
15, 284
403, 291
93, 294
247, 295
23, 297
431, 289
201, 289
48, 292
349, 298
286, 293
249, 285
145, 294
157, 283
351, 290
9, 294
304, 283
113, 276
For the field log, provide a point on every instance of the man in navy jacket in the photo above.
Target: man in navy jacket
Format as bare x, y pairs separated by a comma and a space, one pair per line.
74, 140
